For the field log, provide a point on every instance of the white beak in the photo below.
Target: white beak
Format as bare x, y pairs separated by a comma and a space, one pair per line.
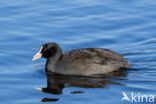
37, 55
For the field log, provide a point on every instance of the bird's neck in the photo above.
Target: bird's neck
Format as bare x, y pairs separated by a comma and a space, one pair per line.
52, 61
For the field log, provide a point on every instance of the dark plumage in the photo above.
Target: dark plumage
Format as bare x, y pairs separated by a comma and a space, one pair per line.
86, 61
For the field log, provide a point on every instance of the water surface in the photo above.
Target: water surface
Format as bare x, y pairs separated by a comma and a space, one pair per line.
127, 27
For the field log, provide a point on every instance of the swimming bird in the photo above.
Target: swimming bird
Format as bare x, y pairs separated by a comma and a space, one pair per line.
85, 61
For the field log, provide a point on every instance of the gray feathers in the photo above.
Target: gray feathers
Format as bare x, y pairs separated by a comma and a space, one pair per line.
86, 61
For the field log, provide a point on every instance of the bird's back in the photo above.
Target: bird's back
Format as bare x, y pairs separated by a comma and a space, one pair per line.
92, 61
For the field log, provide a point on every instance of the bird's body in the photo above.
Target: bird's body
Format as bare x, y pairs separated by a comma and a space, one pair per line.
86, 61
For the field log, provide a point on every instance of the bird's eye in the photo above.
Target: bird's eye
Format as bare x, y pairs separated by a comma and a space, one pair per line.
44, 49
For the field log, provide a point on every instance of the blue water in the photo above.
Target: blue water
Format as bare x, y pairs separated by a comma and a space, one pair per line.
127, 27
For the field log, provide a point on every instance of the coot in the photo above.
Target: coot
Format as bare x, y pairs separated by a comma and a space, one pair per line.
85, 61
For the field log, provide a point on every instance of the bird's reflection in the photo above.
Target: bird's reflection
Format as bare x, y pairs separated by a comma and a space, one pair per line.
56, 83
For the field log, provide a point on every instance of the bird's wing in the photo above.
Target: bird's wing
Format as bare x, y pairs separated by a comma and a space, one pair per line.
92, 55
